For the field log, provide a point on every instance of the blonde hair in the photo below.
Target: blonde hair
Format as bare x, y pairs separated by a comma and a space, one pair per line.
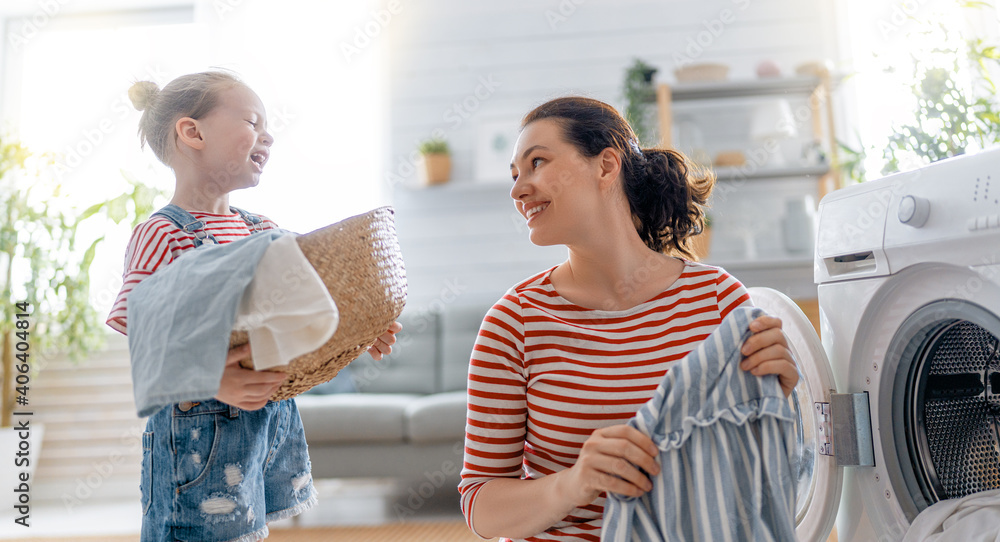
191, 95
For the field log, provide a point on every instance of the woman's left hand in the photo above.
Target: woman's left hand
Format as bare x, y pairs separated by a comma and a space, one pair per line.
766, 353
383, 345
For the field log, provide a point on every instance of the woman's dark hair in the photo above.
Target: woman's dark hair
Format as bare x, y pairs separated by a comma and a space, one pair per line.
665, 191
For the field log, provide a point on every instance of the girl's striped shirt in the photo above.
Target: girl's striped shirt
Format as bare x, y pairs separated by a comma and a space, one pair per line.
158, 241
545, 373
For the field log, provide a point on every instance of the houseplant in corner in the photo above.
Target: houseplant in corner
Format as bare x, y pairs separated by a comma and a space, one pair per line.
640, 101
45, 282
435, 161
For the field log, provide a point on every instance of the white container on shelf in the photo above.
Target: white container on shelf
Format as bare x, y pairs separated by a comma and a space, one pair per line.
798, 226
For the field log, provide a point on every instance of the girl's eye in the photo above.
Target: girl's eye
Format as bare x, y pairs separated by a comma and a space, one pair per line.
252, 123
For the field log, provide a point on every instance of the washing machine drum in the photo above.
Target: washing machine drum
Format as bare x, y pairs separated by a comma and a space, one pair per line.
945, 403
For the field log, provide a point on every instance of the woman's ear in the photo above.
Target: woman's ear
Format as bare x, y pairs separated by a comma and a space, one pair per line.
189, 133
610, 166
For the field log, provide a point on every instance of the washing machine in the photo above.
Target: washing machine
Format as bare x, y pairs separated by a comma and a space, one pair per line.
899, 404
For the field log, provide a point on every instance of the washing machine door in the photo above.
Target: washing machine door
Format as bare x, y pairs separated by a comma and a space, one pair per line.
819, 478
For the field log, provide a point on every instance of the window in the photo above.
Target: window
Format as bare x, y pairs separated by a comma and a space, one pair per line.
66, 75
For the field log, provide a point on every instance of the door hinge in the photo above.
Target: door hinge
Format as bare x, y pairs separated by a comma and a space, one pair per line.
844, 429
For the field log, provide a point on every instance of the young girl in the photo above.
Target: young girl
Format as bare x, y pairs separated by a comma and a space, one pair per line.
216, 470
567, 356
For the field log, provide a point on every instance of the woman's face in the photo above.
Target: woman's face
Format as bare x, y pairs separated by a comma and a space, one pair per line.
555, 186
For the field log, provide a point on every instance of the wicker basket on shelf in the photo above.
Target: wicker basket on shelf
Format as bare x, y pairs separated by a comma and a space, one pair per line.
361, 265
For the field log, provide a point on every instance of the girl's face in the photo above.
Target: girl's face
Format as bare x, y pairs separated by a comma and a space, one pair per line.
555, 186
237, 144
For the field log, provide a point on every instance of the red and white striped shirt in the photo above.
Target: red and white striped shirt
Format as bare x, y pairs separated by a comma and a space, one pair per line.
158, 241
545, 373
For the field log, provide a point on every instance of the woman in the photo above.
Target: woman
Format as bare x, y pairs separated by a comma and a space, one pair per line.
567, 356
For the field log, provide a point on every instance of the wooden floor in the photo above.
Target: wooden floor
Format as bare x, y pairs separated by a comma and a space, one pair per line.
448, 531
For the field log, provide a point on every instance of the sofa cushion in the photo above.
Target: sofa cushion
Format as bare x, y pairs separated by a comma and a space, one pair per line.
435, 418
459, 329
353, 417
412, 366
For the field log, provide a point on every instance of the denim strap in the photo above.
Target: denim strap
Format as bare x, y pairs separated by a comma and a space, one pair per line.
255, 222
187, 222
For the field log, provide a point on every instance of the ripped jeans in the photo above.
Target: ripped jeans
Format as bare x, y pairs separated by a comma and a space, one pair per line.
214, 473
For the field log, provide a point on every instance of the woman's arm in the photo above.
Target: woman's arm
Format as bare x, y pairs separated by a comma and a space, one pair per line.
518, 508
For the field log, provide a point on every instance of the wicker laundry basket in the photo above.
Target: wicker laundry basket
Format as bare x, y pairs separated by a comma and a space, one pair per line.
360, 264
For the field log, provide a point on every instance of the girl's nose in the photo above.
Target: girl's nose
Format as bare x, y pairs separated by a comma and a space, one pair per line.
267, 139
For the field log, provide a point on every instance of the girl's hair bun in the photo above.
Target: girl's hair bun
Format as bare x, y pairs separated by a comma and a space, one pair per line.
142, 93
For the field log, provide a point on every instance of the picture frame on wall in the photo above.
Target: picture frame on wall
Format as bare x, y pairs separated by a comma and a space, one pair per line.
495, 137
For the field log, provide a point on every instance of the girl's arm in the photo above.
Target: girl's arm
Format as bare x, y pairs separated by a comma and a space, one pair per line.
518, 508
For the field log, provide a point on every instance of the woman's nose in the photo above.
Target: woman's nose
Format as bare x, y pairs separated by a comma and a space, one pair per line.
520, 188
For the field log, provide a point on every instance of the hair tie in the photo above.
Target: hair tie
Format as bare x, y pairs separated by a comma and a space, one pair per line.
634, 144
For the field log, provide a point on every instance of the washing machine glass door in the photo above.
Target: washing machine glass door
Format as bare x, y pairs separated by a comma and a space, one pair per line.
819, 478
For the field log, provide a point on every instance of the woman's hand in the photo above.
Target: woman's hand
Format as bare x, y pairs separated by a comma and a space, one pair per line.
383, 345
246, 388
766, 353
608, 461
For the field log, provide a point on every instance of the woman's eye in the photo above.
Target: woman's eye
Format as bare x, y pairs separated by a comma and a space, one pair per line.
535, 161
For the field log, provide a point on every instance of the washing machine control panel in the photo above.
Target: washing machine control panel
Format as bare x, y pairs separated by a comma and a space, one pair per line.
985, 222
913, 210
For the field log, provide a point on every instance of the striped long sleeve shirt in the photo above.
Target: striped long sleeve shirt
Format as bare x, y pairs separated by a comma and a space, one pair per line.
157, 242
545, 373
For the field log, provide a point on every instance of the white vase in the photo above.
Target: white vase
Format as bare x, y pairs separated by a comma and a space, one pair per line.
798, 226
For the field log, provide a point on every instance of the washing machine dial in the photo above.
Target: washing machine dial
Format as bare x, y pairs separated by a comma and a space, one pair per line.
913, 211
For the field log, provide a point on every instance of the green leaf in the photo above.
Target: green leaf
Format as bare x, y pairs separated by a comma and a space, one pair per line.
91, 211
118, 208
88, 256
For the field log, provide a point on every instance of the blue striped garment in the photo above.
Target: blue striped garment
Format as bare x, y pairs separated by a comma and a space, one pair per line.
724, 437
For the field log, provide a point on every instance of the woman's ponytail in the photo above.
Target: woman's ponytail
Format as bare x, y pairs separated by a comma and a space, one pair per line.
667, 195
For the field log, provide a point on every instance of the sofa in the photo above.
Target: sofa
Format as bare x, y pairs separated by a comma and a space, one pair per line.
403, 416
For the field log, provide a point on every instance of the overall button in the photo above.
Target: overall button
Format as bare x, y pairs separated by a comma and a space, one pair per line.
186, 405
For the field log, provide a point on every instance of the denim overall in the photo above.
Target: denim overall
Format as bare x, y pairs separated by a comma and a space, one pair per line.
212, 472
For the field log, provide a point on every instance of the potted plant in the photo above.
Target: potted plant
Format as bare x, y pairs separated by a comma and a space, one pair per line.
640, 101
436, 161
45, 282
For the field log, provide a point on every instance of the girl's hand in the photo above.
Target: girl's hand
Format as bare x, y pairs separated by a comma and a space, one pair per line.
608, 462
766, 353
246, 388
383, 345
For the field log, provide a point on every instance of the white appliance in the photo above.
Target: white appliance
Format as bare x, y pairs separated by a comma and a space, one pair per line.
907, 412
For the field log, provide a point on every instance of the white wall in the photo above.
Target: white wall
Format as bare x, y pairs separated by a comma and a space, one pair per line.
455, 67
